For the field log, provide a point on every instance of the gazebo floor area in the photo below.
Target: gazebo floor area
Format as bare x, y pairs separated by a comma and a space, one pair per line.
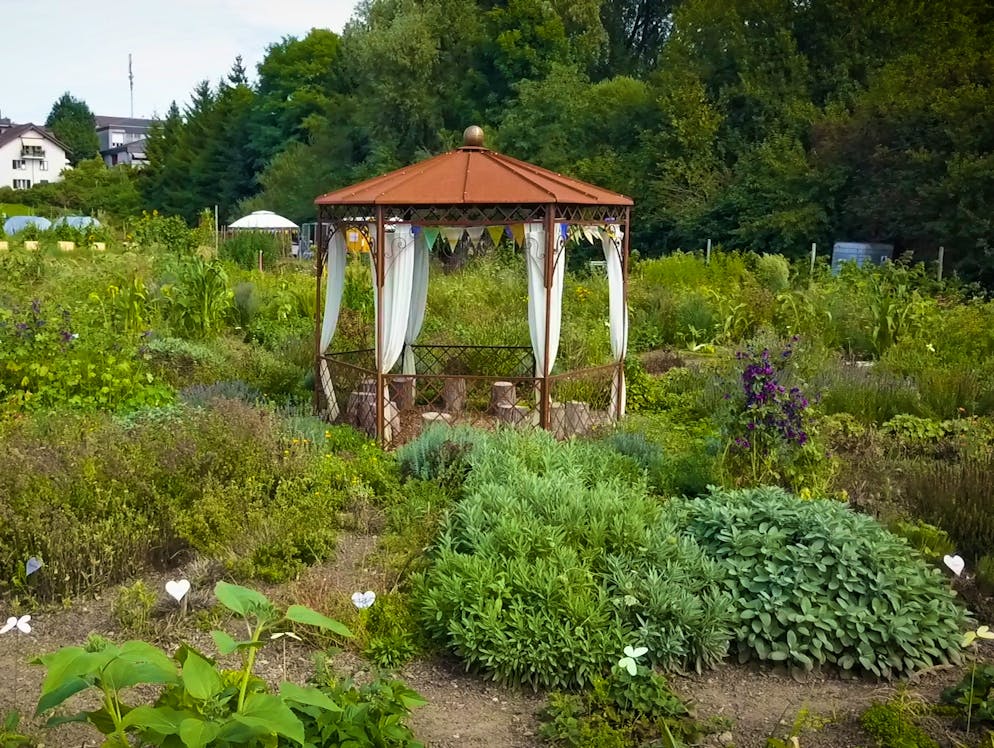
482, 386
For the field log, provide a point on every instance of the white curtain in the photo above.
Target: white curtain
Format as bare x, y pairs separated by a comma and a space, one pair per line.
397, 283
332, 306
611, 241
419, 300
535, 258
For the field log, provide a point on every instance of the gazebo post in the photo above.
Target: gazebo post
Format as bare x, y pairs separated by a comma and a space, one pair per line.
625, 251
380, 280
318, 309
550, 244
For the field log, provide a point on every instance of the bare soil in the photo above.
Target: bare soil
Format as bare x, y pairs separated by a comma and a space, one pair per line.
744, 705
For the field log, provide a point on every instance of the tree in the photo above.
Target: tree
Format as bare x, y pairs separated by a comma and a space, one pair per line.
297, 80
73, 123
636, 31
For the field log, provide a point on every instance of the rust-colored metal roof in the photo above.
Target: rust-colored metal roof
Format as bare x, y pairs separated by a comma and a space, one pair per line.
472, 175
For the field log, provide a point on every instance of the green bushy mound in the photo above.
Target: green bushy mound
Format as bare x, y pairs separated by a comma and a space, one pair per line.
556, 559
814, 583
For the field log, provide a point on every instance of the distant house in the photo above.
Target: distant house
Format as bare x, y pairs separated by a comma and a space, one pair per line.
29, 155
122, 139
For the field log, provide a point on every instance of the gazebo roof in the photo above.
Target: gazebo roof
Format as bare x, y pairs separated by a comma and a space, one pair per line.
472, 175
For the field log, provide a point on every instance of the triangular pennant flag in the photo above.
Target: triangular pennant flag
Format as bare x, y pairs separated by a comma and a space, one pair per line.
431, 235
518, 232
496, 234
452, 236
475, 234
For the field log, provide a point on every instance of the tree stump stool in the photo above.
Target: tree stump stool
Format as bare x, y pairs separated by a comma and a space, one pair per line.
361, 412
402, 392
577, 417
502, 393
454, 394
431, 417
508, 413
557, 421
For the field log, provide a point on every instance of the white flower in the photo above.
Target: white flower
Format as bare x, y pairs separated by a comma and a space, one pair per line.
363, 600
628, 661
21, 624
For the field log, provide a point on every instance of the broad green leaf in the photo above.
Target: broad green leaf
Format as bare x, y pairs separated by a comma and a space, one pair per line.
312, 696
225, 643
74, 661
163, 720
240, 599
272, 711
139, 662
200, 677
303, 614
196, 733
51, 699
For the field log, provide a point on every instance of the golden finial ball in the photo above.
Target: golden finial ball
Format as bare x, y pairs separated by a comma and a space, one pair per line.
473, 136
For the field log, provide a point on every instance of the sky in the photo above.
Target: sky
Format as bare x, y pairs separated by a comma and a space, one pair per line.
54, 46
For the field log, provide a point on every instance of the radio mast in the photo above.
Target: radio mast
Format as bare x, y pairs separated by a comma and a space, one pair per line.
131, 83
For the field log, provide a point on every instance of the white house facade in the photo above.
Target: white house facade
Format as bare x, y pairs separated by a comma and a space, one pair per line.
29, 155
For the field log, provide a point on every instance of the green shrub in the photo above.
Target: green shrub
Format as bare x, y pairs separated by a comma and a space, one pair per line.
440, 453
773, 272
927, 539
132, 608
813, 582
45, 363
369, 716
556, 558
98, 499
972, 696
170, 233
620, 709
957, 496
871, 396
891, 728
244, 248
985, 573
643, 392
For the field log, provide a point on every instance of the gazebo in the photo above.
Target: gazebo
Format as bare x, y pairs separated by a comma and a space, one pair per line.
475, 195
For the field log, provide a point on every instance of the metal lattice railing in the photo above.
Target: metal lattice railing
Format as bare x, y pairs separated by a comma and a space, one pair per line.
475, 360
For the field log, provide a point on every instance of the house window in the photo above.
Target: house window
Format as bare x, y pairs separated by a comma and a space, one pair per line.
22, 184
18, 164
43, 166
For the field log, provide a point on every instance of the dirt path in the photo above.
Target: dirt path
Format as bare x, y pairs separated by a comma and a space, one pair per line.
747, 704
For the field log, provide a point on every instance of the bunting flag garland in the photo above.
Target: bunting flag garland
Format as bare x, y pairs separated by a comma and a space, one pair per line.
475, 234
431, 235
496, 234
518, 232
591, 233
452, 236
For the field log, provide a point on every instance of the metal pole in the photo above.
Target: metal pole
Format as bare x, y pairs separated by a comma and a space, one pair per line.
814, 253
550, 249
625, 254
380, 279
318, 314
707, 254
942, 254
